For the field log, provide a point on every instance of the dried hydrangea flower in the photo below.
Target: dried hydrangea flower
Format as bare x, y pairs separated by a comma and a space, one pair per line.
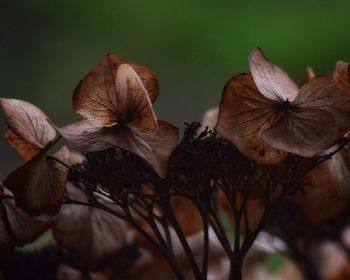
115, 100
265, 114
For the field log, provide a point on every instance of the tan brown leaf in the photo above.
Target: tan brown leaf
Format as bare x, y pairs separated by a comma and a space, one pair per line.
271, 80
28, 122
89, 232
25, 150
244, 114
38, 185
342, 73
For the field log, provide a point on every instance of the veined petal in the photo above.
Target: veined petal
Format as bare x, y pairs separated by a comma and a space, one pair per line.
25, 150
155, 149
28, 122
86, 136
38, 185
22, 227
326, 94
135, 103
303, 131
271, 80
95, 97
244, 113
89, 232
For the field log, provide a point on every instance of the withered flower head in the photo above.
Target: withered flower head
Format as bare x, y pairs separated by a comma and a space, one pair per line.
265, 114
38, 185
115, 100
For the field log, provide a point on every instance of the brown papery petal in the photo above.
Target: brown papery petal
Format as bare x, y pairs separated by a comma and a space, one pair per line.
326, 94
85, 136
25, 228
303, 131
24, 149
154, 149
89, 232
244, 113
148, 79
95, 97
271, 80
342, 73
135, 103
38, 185
28, 122
309, 74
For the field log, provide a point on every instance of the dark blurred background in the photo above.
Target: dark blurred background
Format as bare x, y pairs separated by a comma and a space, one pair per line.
194, 47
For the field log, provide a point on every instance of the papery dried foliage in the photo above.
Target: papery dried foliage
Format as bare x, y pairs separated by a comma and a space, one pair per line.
273, 111
16, 226
38, 185
116, 101
90, 233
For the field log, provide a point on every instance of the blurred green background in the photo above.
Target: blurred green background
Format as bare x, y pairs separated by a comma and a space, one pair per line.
194, 47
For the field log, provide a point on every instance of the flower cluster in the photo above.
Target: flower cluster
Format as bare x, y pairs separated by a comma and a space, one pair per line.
134, 167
